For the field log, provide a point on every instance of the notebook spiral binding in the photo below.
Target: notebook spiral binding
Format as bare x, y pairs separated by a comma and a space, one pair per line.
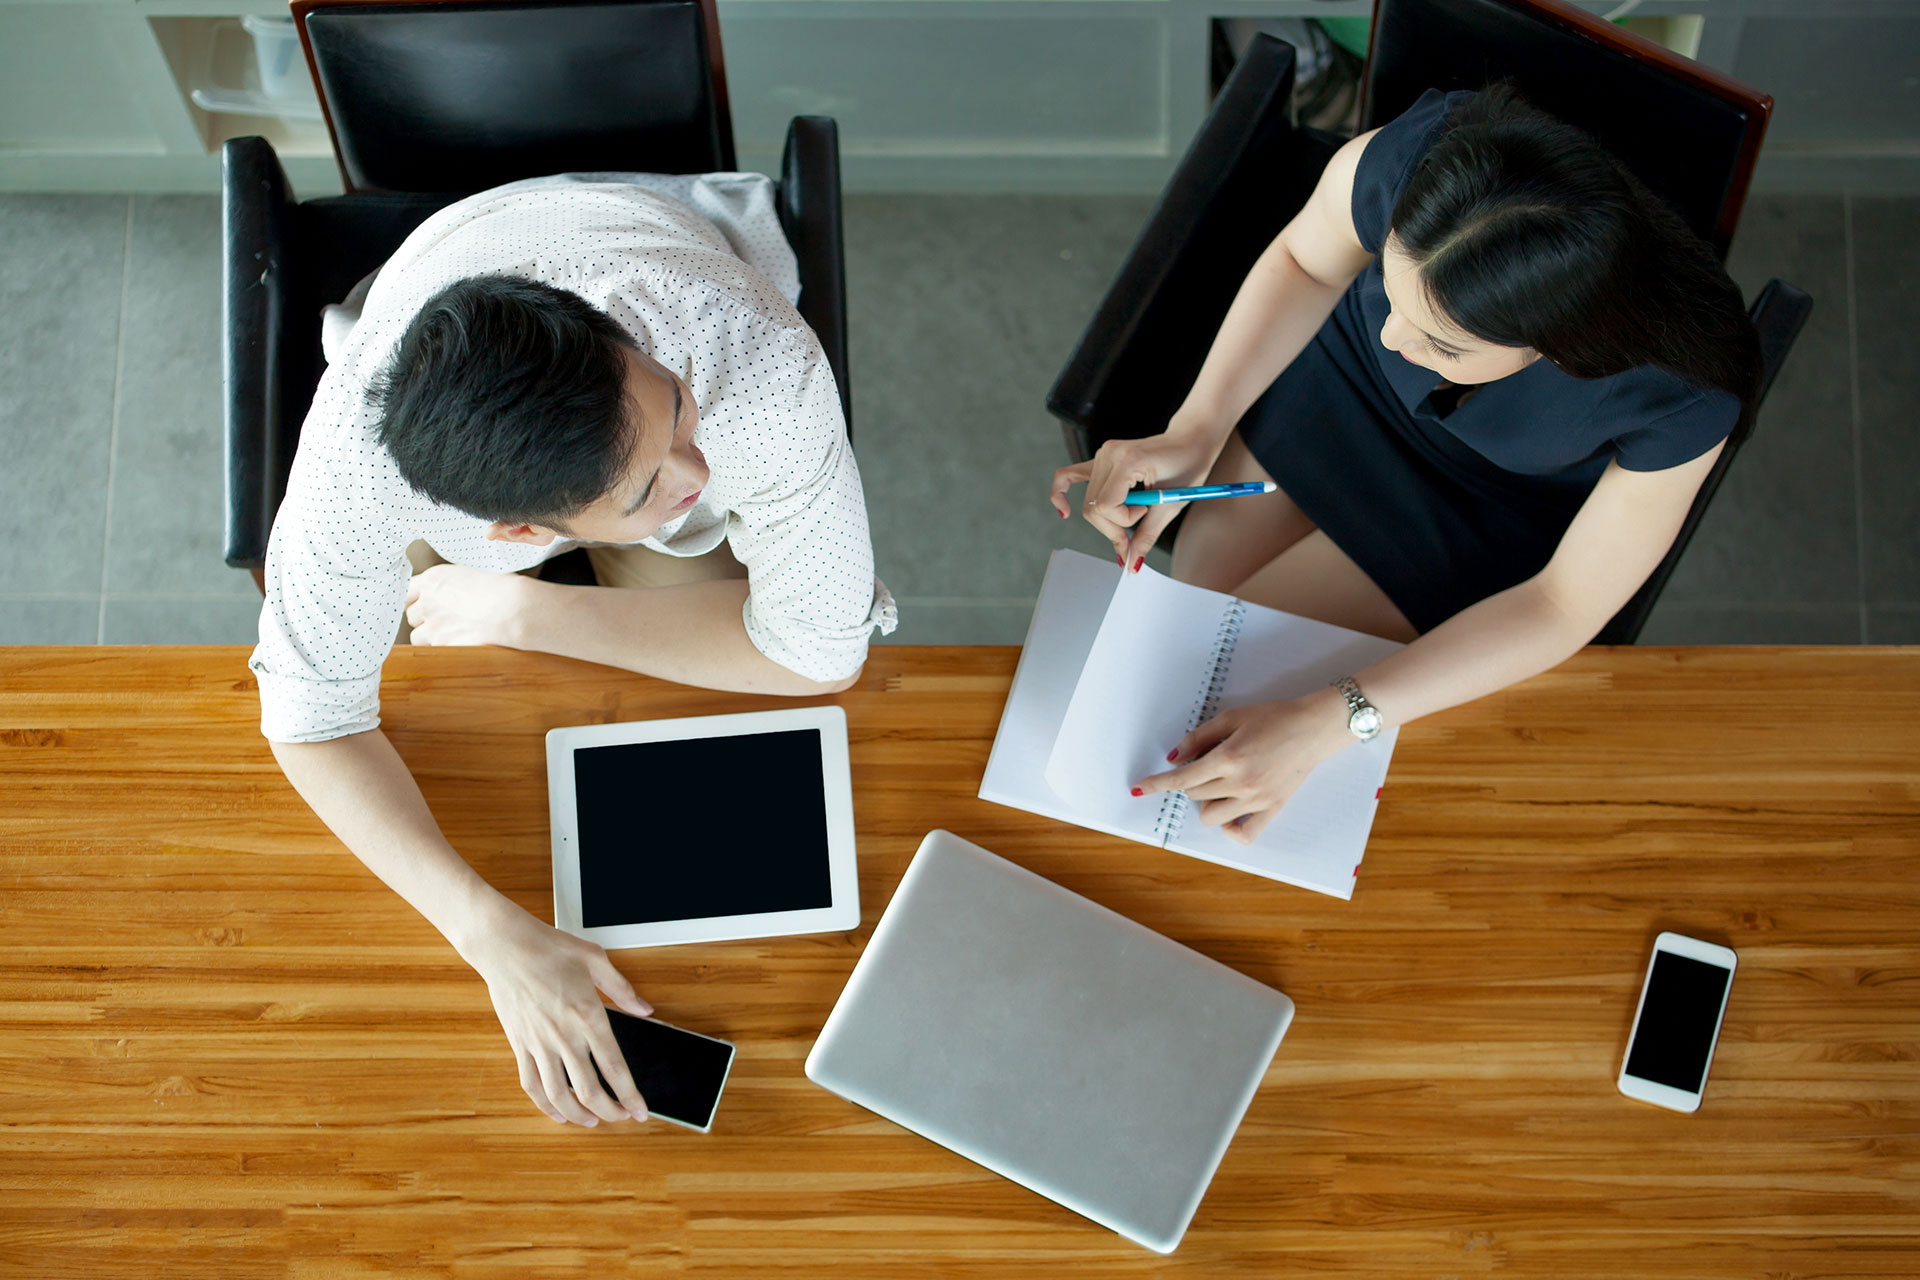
1173, 809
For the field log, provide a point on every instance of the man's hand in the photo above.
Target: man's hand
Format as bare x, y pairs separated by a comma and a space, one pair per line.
1244, 764
452, 604
543, 983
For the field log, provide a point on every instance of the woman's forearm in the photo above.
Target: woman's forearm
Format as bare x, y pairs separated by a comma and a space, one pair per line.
1500, 641
1276, 313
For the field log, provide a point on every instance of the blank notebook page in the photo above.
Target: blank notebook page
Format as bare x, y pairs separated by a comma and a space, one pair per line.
1144, 686
1136, 698
1280, 656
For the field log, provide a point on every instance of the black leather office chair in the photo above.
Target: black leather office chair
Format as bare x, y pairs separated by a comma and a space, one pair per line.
427, 103
1690, 134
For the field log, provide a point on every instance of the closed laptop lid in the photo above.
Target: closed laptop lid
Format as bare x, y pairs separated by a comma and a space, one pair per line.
1050, 1039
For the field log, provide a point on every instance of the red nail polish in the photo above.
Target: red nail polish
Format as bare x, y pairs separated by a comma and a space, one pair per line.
1063, 515
1120, 559
1137, 563
1173, 755
1138, 792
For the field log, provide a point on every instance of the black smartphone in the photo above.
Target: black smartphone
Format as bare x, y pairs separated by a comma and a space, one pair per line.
680, 1073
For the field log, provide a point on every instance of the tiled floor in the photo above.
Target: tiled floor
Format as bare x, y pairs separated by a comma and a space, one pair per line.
963, 309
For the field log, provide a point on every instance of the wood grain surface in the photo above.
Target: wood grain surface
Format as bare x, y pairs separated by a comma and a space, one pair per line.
227, 1050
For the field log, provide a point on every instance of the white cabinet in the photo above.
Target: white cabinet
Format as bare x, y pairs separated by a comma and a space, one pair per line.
63, 84
985, 95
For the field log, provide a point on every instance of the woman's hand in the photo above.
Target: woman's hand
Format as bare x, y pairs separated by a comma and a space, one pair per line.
1176, 458
1244, 764
543, 985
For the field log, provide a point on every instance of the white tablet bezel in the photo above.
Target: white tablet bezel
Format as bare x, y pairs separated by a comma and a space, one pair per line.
836, 784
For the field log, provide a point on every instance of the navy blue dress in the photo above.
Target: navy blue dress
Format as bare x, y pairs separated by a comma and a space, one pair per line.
1445, 508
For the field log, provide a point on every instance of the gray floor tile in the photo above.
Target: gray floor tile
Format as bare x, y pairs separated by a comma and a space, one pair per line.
1782, 528
60, 285
963, 310
165, 532
182, 621
1886, 246
49, 621
954, 622
1674, 623
1893, 624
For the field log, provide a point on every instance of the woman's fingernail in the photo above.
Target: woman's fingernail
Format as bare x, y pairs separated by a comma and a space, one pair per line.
1121, 559
1138, 792
1173, 755
1137, 563
1063, 515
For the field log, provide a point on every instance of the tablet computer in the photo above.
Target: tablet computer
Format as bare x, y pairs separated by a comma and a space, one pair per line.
703, 829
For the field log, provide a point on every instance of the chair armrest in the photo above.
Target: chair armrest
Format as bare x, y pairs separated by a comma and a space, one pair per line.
1247, 172
256, 217
809, 206
1779, 313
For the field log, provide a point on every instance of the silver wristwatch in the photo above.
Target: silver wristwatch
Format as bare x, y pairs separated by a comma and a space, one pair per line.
1362, 716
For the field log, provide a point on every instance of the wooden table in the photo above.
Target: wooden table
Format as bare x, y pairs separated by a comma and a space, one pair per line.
227, 1050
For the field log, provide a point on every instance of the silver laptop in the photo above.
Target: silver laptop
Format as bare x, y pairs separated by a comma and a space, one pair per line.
1051, 1040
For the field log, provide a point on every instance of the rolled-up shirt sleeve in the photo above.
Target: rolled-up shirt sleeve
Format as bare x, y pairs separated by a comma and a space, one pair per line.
813, 599
336, 580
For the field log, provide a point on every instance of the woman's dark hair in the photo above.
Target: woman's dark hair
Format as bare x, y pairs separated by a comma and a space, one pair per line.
507, 399
1528, 233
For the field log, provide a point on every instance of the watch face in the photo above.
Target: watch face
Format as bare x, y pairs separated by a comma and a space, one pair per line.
1365, 722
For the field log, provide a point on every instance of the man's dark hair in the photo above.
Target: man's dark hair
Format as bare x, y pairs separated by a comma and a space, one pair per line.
507, 399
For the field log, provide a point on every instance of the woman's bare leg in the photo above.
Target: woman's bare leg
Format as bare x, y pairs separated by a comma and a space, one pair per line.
1316, 579
1224, 542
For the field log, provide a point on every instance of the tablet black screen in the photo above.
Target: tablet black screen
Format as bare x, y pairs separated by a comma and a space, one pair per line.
701, 827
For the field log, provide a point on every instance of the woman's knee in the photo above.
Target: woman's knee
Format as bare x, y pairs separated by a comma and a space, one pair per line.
1203, 549
1224, 542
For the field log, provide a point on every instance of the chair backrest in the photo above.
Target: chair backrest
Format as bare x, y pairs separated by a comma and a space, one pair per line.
470, 94
1246, 173
1688, 132
1778, 313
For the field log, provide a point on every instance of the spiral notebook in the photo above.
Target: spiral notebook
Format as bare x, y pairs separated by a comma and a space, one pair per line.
1118, 667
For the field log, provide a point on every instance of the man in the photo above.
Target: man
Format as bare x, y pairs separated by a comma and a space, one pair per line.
597, 360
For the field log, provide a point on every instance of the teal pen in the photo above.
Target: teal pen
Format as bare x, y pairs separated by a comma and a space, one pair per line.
1154, 497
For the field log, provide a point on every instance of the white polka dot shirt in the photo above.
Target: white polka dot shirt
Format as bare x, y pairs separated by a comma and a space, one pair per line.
695, 269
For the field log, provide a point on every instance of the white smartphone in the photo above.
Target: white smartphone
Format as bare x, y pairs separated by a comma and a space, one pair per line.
679, 1072
1678, 1022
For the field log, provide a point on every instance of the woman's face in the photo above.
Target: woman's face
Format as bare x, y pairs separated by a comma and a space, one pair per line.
1429, 339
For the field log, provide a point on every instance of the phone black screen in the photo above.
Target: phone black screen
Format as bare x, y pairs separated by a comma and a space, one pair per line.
679, 1074
1678, 1017
701, 827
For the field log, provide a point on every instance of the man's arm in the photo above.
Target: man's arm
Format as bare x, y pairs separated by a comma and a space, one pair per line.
690, 634
542, 981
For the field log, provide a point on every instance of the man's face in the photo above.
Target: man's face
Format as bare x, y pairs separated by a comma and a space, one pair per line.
664, 476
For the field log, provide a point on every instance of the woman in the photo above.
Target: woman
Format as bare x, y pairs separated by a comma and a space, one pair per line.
1488, 371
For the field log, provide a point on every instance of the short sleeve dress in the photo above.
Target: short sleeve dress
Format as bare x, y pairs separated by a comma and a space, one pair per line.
1443, 506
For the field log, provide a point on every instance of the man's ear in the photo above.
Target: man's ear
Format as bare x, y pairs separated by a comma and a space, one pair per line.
531, 534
